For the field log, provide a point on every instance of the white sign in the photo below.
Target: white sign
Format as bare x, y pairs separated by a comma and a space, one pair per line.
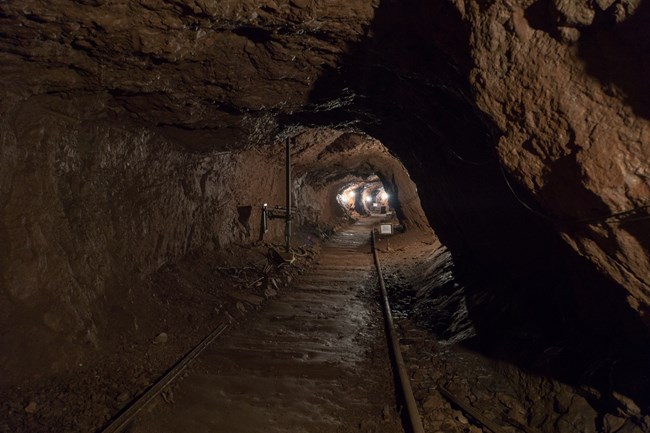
386, 229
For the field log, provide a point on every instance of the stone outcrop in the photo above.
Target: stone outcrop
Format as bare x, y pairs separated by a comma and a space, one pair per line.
565, 83
202, 71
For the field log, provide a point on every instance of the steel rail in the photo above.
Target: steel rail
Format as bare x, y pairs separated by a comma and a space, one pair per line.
469, 410
407, 391
121, 421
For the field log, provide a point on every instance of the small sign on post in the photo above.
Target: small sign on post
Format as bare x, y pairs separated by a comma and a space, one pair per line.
386, 229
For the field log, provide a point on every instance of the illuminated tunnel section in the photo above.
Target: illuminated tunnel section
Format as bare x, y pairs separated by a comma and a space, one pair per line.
342, 175
133, 146
365, 198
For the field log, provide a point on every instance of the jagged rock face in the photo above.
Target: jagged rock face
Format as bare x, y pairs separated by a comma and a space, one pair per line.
566, 83
114, 117
202, 71
121, 144
92, 204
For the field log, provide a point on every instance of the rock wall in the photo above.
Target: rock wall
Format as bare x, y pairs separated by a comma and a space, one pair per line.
91, 204
127, 126
565, 84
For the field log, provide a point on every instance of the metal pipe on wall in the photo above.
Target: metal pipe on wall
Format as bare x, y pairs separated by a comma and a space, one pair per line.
287, 227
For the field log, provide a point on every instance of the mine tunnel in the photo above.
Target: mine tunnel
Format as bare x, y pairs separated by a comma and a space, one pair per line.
479, 168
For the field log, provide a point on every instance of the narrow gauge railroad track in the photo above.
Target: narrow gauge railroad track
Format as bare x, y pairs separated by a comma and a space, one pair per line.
343, 262
313, 360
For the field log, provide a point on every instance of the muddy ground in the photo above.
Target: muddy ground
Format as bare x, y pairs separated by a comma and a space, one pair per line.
313, 360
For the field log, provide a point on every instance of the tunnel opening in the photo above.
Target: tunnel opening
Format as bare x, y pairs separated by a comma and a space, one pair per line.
515, 284
364, 198
155, 302
330, 164
138, 152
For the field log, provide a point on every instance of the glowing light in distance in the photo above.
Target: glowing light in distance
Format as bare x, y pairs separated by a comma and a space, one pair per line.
368, 198
351, 194
384, 195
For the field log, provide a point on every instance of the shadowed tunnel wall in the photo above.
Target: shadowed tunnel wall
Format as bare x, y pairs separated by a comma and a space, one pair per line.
120, 124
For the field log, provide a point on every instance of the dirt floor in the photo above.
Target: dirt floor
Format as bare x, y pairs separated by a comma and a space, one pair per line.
313, 360
147, 330
307, 352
